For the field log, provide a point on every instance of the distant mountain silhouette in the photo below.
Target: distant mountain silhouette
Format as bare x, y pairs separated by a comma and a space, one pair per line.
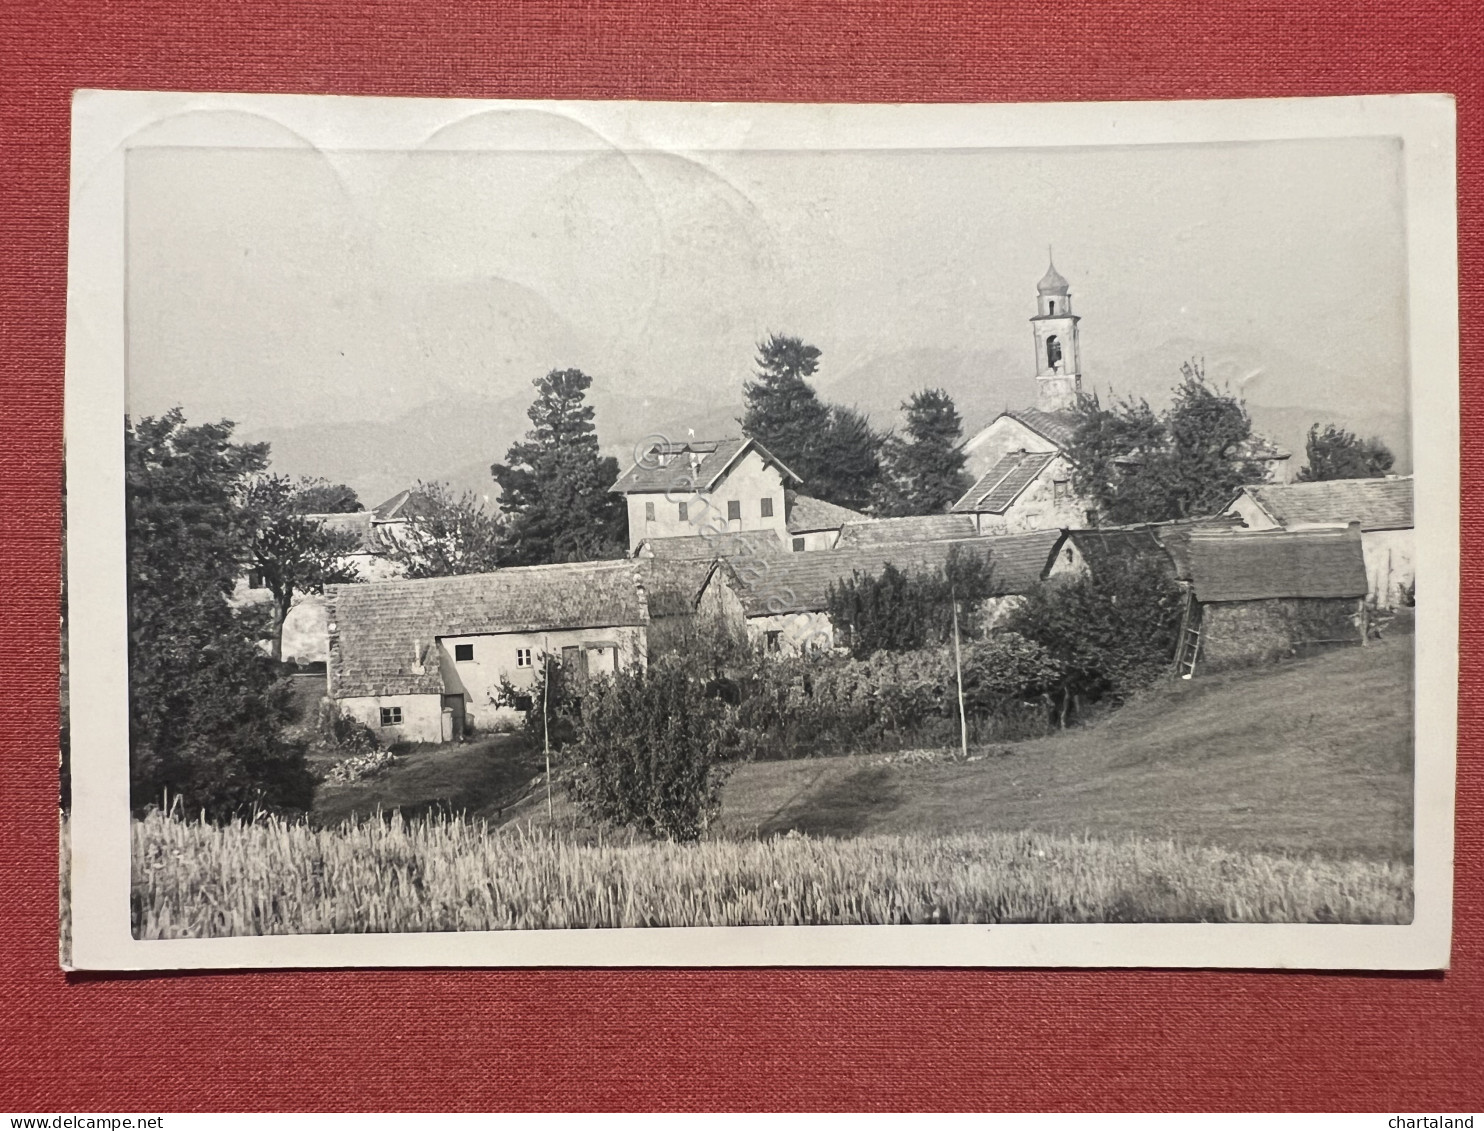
982, 383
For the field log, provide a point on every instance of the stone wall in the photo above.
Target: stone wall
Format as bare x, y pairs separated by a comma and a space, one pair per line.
1245, 632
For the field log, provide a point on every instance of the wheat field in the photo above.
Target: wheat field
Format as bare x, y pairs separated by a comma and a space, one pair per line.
194, 880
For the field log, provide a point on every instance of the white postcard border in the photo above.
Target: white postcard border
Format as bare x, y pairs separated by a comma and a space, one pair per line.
106, 124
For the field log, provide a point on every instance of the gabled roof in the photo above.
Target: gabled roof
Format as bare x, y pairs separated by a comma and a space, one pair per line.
696, 465
382, 633
912, 528
806, 514
709, 547
673, 588
1377, 504
1059, 427
1162, 542
1267, 564
1003, 483
401, 506
801, 582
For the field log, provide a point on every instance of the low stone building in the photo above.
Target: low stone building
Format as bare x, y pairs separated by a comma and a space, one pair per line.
1255, 596
785, 601
425, 660
1382, 507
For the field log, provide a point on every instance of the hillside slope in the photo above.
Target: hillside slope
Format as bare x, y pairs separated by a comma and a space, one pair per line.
1308, 756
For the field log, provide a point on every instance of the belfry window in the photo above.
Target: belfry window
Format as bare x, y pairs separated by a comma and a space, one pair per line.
1053, 352
1052, 305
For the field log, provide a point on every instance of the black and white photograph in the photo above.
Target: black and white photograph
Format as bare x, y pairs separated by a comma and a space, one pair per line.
525, 533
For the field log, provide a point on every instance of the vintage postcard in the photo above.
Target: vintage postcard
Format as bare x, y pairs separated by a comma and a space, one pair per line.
522, 533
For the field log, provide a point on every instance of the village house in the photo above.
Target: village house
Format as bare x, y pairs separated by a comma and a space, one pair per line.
785, 600
704, 486
814, 524
424, 660
1260, 595
1022, 476
1382, 507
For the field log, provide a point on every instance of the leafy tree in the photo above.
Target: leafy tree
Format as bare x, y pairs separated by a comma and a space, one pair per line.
446, 534
318, 496
832, 448
1136, 465
291, 552
1335, 453
897, 611
924, 470
205, 708
649, 752
554, 485
1107, 633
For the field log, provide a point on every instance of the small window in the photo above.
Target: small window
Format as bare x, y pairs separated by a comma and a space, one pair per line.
798, 545
767, 508
775, 639
684, 509
1061, 490
1053, 306
522, 657
648, 512
523, 703
255, 579
463, 651
391, 716
734, 510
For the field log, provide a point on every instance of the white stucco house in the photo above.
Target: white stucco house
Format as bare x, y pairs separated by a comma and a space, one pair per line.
1382, 507
705, 486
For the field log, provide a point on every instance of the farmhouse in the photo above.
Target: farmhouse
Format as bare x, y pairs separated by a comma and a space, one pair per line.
1382, 507
785, 600
704, 486
424, 660
814, 524
1259, 595
1086, 550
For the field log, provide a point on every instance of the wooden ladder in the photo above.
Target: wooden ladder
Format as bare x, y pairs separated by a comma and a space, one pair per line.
1190, 650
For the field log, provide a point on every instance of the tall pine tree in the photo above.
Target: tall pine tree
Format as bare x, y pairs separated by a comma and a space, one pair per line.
832, 448
554, 485
924, 472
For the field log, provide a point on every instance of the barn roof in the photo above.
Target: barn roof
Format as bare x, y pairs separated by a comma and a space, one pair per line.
707, 547
382, 633
912, 528
1377, 504
801, 582
696, 465
400, 507
1002, 484
1266, 564
806, 514
1163, 542
673, 588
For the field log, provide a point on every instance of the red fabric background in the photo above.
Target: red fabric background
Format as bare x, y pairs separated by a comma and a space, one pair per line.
655, 1038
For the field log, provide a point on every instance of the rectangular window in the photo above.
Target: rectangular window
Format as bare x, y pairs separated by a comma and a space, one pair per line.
775, 638
463, 651
734, 509
255, 579
648, 512
522, 657
391, 716
523, 703
1061, 491
767, 508
684, 511
798, 545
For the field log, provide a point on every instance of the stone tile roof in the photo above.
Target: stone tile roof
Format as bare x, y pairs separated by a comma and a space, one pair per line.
382, 634
1002, 484
801, 582
1377, 504
806, 514
913, 528
708, 547
696, 465
673, 588
350, 522
400, 507
1058, 427
1165, 542
1267, 564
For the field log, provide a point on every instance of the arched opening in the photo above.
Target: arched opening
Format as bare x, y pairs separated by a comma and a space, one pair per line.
1053, 352
1052, 304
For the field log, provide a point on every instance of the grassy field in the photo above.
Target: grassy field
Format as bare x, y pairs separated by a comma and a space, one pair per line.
195, 880
1276, 794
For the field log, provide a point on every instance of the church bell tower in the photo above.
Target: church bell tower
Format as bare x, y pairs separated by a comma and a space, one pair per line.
1058, 358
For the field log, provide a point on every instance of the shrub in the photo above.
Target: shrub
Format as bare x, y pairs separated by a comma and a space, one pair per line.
647, 751
897, 611
344, 733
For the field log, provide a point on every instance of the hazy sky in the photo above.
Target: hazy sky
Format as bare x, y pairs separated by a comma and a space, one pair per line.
280, 286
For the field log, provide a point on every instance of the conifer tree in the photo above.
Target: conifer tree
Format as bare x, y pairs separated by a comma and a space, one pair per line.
554, 484
924, 469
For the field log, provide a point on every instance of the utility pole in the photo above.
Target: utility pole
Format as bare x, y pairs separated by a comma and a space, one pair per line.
958, 671
545, 719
